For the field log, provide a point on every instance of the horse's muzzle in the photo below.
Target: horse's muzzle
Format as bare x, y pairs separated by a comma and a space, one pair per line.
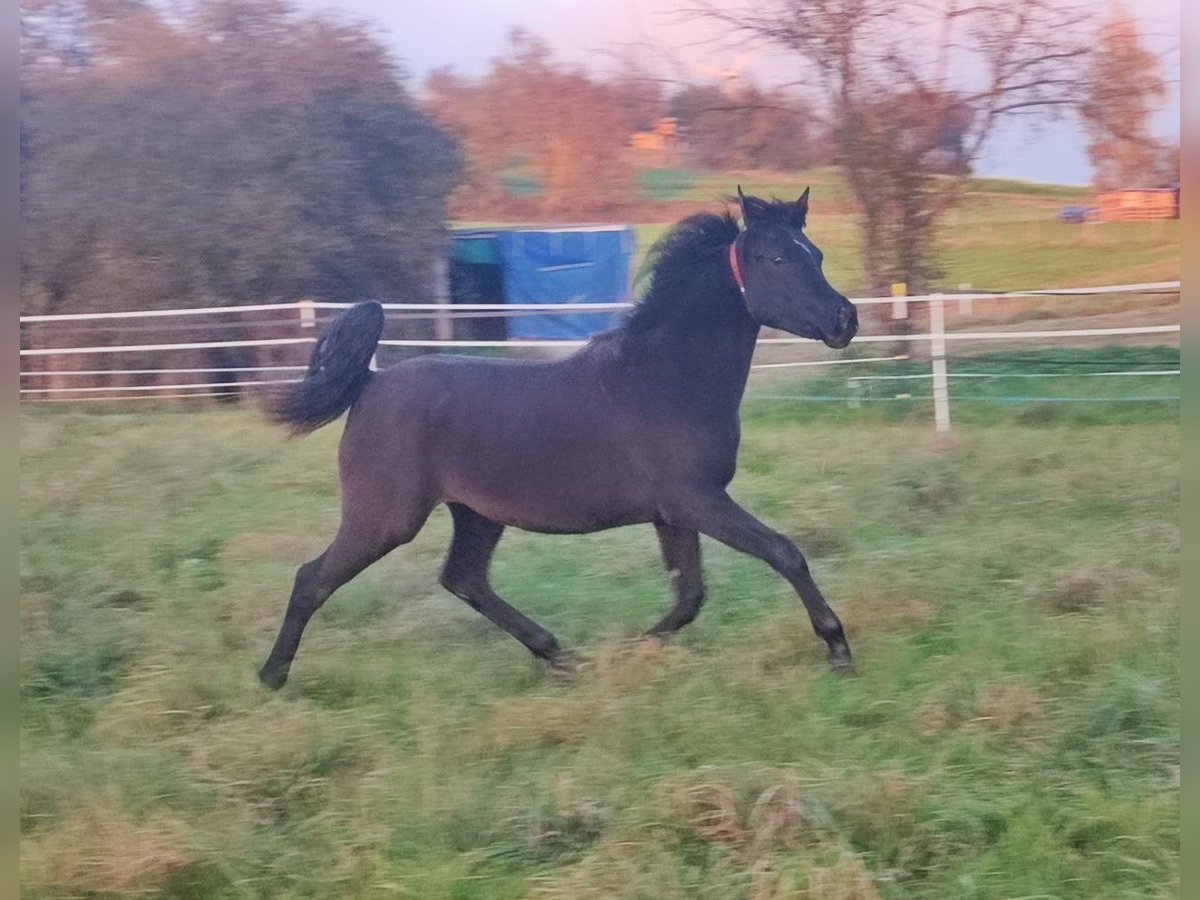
847, 327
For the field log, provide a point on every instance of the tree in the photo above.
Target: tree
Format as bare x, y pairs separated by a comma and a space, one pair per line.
749, 127
570, 130
884, 69
1126, 89
242, 154
639, 94
1167, 168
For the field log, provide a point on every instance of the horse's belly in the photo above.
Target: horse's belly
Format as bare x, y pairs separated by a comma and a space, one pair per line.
558, 521
552, 498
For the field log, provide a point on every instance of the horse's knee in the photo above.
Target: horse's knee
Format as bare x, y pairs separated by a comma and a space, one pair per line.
787, 558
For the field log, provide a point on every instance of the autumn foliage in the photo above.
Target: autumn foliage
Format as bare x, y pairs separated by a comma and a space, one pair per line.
1126, 88
563, 129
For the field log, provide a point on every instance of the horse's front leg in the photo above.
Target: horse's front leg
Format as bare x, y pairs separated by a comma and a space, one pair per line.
719, 517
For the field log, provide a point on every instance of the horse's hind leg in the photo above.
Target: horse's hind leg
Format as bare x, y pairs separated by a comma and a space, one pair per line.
357, 545
681, 556
465, 575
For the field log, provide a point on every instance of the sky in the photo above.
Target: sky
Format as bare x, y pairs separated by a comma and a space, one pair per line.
467, 34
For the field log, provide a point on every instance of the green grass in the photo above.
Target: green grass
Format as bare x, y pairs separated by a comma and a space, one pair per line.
1041, 253
1013, 731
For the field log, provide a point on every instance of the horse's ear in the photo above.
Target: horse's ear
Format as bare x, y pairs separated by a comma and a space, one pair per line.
800, 213
753, 209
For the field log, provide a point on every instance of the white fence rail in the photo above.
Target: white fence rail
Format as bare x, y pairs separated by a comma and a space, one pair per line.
304, 314
1149, 288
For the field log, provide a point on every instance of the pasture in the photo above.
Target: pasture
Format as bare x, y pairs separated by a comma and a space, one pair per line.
1012, 599
1011, 596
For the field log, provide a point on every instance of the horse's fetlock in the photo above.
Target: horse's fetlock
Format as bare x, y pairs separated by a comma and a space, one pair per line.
690, 607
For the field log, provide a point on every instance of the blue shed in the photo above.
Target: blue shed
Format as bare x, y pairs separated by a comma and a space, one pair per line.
543, 265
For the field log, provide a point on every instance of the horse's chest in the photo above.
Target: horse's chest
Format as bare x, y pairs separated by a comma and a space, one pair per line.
706, 455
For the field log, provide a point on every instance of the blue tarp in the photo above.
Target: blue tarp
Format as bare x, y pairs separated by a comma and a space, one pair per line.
577, 264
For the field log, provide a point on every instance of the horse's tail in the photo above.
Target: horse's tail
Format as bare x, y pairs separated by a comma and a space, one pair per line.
337, 373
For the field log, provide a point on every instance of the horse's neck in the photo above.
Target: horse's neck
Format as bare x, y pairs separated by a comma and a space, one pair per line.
705, 365
722, 356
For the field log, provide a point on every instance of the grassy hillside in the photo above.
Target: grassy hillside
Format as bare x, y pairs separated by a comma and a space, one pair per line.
1006, 235
1013, 731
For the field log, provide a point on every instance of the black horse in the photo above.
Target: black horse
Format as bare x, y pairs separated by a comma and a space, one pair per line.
641, 425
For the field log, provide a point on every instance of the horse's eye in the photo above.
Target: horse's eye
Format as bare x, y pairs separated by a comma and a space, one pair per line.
777, 260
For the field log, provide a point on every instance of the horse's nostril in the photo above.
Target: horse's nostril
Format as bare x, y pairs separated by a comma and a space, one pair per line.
847, 316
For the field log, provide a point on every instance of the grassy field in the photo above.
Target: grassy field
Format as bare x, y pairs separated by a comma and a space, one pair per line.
986, 389
1012, 597
1013, 731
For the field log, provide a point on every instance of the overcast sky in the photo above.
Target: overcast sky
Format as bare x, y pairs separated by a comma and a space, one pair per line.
467, 34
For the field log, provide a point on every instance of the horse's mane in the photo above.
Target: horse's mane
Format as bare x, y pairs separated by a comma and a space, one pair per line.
671, 268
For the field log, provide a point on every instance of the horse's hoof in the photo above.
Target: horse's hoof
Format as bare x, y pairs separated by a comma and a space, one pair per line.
841, 663
273, 679
563, 666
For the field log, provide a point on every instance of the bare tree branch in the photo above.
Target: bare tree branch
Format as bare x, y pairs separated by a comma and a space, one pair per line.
887, 70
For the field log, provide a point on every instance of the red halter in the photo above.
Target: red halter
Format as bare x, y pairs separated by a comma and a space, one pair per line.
737, 271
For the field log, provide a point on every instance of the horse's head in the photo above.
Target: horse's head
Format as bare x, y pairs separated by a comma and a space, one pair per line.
778, 270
